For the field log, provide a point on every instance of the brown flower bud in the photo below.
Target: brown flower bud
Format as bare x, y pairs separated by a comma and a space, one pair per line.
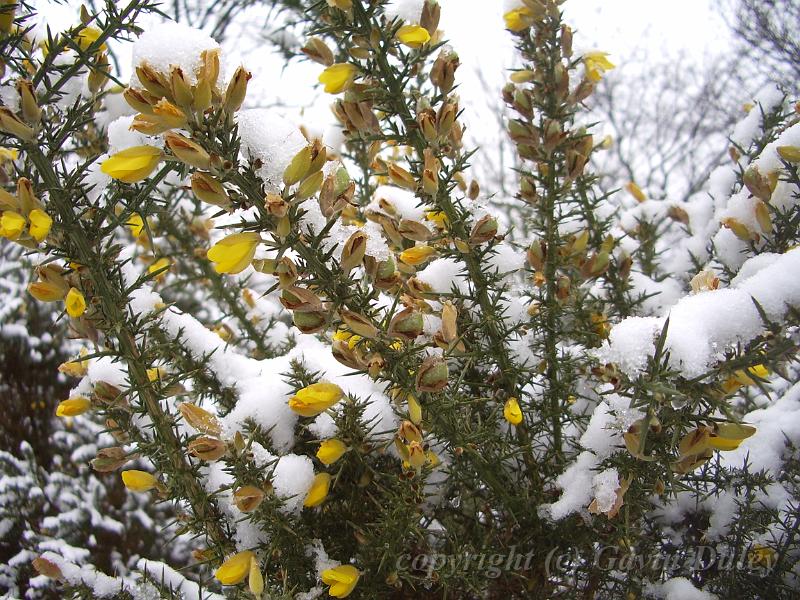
353, 251
210, 190
10, 123
248, 498
311, 321
109, 459
432, 375
187, 151
483, 231
318, 51
207, 448
358, 324
407, 324
199, 418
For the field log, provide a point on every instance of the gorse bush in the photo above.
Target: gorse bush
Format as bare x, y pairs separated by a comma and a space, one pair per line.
301, 367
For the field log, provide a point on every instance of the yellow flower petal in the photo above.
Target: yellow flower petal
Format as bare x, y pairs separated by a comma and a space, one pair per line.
8, 154
338, 77
235, 569
234, 253
40, 224
319, 490
12, 225
75, 302
138, 481
413, 36
315, 398
76, 405
330, 451
512, 412
132, 164
342, 580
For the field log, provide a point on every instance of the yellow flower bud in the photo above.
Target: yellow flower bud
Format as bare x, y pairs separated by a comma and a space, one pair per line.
414, 409
255, 580
413, 36
789, 153
315, 398
237, 90
75, 303
132, 164
330, 451
234, 570
338, 77
138, 481
417, 255
342, 579
319, 490
635, 191
234, 253
512, 412
73, 407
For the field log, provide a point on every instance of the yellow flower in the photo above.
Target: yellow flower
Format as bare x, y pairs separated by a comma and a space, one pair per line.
319, 490
156, 374
330, 451
235, 569
512, 412
338, 77
518, 19
136, 224
596, 64
75, 302
161, 263
729, 436
438, 217
77, 405
234, 253
88, 36
46, 291
11, 225
413, 36
138, 481
315, 398
40, 224
8, 154
744, 377
417, 255
132, 164
342, 580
